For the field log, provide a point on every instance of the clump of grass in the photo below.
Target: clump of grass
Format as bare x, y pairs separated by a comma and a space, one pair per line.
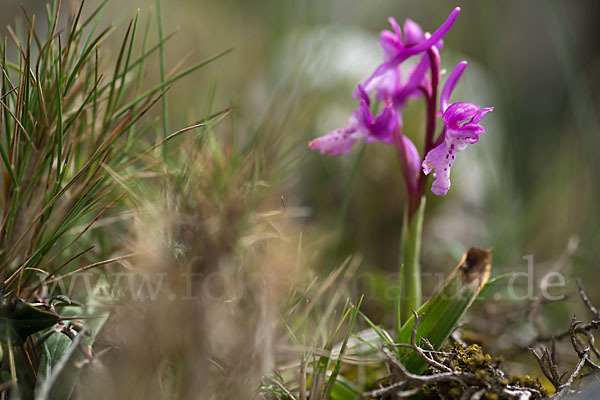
72, 141
69, 127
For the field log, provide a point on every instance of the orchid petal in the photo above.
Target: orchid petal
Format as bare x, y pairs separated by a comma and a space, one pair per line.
432, 40
413, 33
451, 84
361, 93
481, 114
439, 159
389, 44
458, 113
396, 28
334, 143
384, 125
468, 136
363, 114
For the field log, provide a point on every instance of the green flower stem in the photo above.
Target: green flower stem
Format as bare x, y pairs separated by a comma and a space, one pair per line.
410, 270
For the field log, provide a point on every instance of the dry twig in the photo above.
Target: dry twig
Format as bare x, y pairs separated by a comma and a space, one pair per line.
587, 301
547, 359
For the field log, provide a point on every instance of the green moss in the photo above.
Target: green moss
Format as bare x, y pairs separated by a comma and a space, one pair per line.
486, 369
527, 381
471, 359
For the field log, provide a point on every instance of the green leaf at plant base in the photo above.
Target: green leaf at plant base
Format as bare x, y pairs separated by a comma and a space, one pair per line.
446, 306
55, 347
20, 319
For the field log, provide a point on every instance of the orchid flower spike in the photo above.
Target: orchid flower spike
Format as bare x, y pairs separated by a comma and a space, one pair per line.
392, 91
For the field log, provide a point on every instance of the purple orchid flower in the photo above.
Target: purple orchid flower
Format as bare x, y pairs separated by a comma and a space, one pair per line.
361, 126
391, 42
396, 51
462, 129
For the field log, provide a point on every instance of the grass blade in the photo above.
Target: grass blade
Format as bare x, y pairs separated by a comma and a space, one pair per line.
331, 383
161, 51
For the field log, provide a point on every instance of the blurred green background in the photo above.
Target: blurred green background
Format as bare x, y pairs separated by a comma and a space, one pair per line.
528, 187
